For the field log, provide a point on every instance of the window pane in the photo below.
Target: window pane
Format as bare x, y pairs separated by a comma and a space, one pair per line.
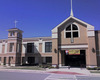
48, 47
74, 27
48, 59
68, 28
11, 48
75, 34
30, 47
68, 34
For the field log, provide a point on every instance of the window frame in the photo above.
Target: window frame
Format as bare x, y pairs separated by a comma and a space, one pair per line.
72, 30
45, 47
32, 48
11, 47
48, 60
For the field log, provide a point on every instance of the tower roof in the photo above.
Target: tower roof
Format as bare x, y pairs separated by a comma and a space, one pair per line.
15, 29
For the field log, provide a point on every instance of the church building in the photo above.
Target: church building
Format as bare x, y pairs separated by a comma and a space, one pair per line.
73, 43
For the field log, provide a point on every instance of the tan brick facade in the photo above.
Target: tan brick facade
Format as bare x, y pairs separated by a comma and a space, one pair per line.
87, 42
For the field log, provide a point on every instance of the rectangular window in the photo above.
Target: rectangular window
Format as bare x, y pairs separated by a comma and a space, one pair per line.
0, 59
68, 34
75, 34
48, 59
48, 46
30, 47
11, 49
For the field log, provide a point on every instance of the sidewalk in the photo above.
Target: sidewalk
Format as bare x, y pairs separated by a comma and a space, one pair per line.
82, 71
2, 68
71, 71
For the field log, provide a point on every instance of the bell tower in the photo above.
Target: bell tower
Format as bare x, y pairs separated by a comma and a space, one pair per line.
14, 46
14, 33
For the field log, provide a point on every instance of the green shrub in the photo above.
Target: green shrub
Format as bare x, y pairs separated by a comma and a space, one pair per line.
95, 68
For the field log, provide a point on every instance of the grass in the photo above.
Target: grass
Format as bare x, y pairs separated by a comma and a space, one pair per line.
26, 68
95, 71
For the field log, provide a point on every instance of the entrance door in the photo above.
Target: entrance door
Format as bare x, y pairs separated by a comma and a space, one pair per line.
10, 58
4, 60
9, 61
31, 60
76, 60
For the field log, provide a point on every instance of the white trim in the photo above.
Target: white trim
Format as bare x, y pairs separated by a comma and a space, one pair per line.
88, 25
60, 65
83, 22
54, 35
12, 64
2, 64
70, 31
18, 48
5, 48
43, 47
36, 47
78, 29
15, 38
54, 65
90, 33
55, 29
24, 42
74, 46
12, 41
0, 48
40, 41
7, 64
11, 52
46, 55
29, 42
23, 48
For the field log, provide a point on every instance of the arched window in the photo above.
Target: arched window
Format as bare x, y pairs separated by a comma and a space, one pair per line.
71, 31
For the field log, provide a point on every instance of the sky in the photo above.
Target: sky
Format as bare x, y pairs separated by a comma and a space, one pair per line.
38, 17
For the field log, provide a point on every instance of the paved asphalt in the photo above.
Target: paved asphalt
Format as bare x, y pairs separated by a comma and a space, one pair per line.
87, 78
22, 76
42, 76
71, 77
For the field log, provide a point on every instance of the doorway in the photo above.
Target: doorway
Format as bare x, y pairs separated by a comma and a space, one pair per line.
31, 60
75, 60
4, 61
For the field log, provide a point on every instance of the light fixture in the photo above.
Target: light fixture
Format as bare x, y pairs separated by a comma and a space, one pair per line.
93, 50
55, 50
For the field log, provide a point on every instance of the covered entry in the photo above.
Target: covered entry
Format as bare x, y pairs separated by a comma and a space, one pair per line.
74, 60
31, 60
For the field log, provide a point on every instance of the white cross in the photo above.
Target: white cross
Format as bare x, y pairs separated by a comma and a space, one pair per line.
15, 23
